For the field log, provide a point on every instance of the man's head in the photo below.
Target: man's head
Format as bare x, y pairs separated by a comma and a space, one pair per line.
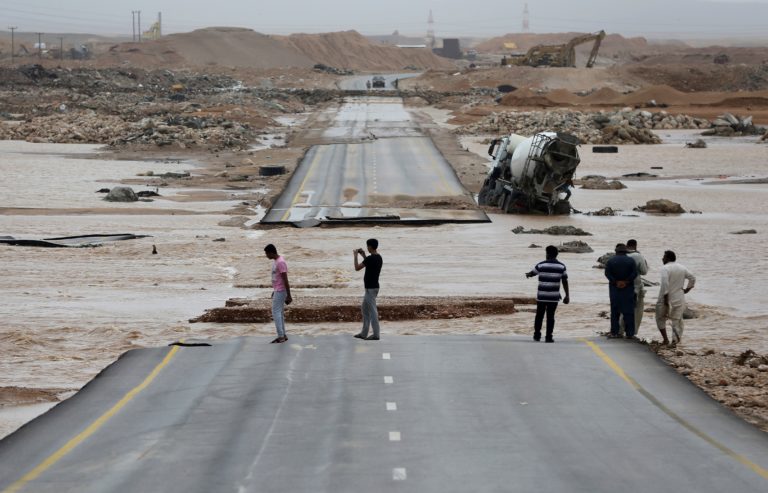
669, 256
551, 252
632, 244
621, 249
372, 244
270, 251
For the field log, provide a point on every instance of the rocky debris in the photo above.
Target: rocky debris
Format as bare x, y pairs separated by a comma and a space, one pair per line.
627, 126
122, 194
147, 193
102, 190
603, 259
745, 232
605, 211
534, 245
236, 221
321, 67
698, 144
347, 309
729, 125
575, 246
553, 230
597, 182
736, 381
764, 138
660, 206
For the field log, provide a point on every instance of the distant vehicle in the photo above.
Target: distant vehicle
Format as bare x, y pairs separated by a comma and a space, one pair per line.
378, 81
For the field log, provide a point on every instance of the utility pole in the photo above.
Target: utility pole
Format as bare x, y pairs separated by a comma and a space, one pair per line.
12, 28
139, 12
61, 48
39, 46
133, 25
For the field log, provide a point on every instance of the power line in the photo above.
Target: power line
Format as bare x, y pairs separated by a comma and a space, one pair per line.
12, 28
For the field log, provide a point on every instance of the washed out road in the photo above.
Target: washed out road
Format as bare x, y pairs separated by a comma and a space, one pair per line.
408, 413
373, 163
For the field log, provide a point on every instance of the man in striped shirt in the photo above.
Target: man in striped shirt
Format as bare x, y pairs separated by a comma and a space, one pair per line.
551, 273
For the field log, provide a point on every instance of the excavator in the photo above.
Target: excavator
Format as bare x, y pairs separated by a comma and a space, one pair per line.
562, 55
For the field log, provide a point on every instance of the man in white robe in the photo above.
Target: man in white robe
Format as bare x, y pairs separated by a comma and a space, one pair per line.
671, 302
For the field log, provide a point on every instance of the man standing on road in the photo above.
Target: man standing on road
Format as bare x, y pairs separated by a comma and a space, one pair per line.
621, 272
281, 291
551, 272
642, 269
372, 265
671, 302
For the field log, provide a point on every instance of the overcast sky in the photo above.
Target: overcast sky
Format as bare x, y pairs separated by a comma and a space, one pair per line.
453, 18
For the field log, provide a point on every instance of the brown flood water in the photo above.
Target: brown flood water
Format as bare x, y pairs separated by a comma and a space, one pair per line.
67, 313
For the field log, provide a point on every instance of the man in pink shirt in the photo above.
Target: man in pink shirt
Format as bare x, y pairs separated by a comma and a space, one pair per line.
281, 291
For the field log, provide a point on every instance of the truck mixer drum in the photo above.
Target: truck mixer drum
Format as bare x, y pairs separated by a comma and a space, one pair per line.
529, 174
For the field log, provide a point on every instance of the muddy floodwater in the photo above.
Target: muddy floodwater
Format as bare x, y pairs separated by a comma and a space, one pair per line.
66, 313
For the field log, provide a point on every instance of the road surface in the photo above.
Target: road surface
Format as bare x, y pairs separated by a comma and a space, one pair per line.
357, 82
375, 165
408, 413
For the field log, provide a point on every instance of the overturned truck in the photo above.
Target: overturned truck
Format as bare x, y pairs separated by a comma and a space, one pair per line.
531, 175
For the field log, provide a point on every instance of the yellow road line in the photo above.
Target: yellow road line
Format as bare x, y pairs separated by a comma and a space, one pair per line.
91, 429
303, 182
680, 420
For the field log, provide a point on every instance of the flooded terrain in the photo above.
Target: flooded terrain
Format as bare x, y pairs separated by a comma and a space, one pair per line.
69, 312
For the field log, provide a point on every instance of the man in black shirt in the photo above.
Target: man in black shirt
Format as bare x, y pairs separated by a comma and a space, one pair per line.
372, 265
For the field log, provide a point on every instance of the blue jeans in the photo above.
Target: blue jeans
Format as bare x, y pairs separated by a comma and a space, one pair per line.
370, 312
278, 311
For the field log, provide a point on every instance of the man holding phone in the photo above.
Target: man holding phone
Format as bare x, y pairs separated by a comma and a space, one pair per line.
372, 264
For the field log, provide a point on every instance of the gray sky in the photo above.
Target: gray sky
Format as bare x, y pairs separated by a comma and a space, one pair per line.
453, 18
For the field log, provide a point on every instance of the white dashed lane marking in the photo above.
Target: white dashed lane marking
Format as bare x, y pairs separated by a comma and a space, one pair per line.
389, 380
394, 436
399, 474
386, 356
391, 406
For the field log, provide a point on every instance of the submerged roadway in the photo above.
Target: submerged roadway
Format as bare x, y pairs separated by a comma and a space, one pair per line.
408, 413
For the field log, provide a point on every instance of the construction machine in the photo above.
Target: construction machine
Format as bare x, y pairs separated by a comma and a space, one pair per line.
530, 175
562, 55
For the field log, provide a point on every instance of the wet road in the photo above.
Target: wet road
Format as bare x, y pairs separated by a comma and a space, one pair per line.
427, 414
376, 165
357, 83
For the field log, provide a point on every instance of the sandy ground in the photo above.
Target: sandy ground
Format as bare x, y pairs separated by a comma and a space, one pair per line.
70, 312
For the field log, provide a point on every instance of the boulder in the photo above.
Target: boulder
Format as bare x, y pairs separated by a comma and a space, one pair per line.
660, 206
600, 183
575, 246
745, 232
553, 230
122, 194
699, 144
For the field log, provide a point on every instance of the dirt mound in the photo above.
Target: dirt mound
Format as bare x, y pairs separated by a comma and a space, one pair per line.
351, 50
604, 95
525, 97
224, 46
612, 44
660, 93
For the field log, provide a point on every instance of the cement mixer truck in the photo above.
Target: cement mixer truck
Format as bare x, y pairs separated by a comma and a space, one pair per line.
531, 175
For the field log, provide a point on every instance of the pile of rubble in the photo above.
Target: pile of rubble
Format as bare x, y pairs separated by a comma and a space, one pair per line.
606, 127
93, 128
728, 125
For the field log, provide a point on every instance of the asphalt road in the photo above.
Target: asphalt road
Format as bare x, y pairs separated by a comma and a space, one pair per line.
409, 413
357, 82
375, 163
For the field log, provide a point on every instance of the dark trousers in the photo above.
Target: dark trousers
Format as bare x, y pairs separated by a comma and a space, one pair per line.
542, 308
623, 305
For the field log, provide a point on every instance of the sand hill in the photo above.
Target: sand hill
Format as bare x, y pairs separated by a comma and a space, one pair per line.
223, 46
351, 50
245, 48
612, 44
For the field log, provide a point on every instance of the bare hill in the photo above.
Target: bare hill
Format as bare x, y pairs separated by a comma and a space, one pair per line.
351, 50
222, 46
